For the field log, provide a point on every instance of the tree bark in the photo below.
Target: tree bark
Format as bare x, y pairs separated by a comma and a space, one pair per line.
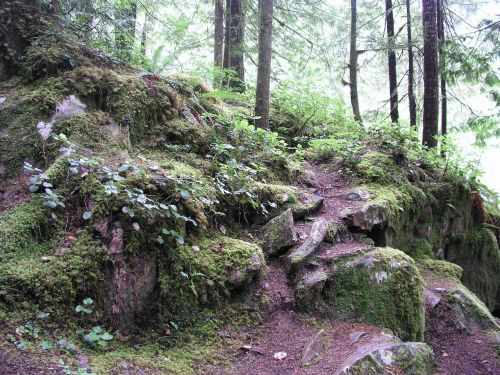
431, 100
219, 34
440, 30
393, 80
353, 65
411, 80
236, 50
264, 67
227, 35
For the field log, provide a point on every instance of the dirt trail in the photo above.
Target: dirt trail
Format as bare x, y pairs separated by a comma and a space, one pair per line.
457, 353
283, 330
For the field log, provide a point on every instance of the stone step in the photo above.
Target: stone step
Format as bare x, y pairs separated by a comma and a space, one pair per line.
298, 256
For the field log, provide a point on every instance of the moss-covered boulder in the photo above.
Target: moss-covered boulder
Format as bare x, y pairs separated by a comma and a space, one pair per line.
412, 358
382, 287
278, 234
207, 273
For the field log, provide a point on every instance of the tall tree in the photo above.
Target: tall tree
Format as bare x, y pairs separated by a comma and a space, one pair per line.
393, 81
125, 21
236, 46
431, 76
145, 31
227, 35
219, 34
411, 81
353, 64
264, 67
440, 32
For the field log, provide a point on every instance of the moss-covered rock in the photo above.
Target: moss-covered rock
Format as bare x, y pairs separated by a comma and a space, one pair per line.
382, 287
207, 273
412, 358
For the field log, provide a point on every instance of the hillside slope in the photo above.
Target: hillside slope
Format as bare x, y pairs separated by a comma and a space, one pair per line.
147, 227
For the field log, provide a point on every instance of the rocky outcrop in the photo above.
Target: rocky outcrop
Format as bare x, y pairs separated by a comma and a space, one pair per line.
424, 225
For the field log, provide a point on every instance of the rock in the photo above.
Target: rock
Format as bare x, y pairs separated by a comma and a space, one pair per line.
382, 287
300, 254
278, 234
309, 288
355, 336
469, 313
314, 349
333, 233
358, 195
309, 204
432, 298
369, 218
242, 275
70, 106
409, 358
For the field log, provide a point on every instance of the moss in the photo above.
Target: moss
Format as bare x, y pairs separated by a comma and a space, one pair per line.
206, 273
19, 139
382, 287
419, 248
22, 228
132, 101
377, 167
57, 283
477, 252
442, 269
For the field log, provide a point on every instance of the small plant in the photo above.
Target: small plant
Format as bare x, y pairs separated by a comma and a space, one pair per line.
79, 371
86, 307
97, 337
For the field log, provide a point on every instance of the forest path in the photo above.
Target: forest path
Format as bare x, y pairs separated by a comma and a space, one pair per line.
287, 333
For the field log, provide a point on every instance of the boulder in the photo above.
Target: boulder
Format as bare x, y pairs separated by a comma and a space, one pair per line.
308, 289
278, 234
468, 312
382, 287
308, 205
390, 358
300, 254
370, 217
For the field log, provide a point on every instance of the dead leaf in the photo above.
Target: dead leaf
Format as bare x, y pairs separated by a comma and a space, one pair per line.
280, 355
222, 229
196, 249
136, 226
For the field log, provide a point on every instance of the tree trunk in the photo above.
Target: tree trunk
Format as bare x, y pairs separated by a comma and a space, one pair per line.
393, 81
125, 31
227, 35
145, 33
353, 65
411, 80
236, 50
87, 8
264, 69
219, 34
431, 100
440, 30
19, 24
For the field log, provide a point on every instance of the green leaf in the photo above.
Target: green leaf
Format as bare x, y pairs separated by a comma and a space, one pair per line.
106, 336
185, 194
88, 301
87, 215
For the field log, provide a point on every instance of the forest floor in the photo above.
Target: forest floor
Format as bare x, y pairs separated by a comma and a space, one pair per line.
277, 346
